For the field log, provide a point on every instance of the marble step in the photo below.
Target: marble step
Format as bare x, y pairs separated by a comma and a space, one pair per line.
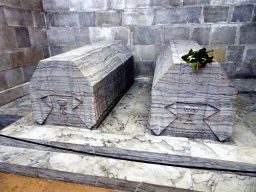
117, 174
153, 149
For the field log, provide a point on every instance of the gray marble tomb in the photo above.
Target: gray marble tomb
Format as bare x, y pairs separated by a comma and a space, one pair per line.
190, 103
79, 87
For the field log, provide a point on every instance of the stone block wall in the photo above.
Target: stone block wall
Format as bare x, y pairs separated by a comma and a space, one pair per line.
146, 26
34, 29
23, 42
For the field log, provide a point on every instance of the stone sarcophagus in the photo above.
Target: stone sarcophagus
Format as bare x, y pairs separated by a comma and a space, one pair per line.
190, 103
79, 87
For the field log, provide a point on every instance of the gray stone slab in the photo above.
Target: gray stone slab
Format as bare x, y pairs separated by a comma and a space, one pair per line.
235, 53
223, 34
2, 16
138, 17
38, 37
254, 18
242, 13
250, 55
59, 19
52, 5
40, 52
245, 69
147, 35
108, 18
116, 4
61, 36
201, 35
7, 38
162, 16
189, 103
165, 3
248, 34
22, 36
82, 36
32, 4
198, 2
55, 50
164, 150
213, 181
87, 19
121, 33
176, 33
215, 14
11, 3
13, 16
128, 4
18, 17
185, 15
144, 68
75, 5
92, 5
11, 59
135, 52
117, 174
80, 87
38, 19
92, 172
98, 34
14, 77
223, 2
149, 53
27, 19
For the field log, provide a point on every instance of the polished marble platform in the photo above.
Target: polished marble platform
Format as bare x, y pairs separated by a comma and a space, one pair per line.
124, 154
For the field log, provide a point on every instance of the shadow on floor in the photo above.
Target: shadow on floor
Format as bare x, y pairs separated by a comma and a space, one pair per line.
6, 120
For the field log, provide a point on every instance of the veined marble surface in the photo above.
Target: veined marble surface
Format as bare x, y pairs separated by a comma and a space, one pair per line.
164, 149
125, 137
80, 87
54, 164
191, 103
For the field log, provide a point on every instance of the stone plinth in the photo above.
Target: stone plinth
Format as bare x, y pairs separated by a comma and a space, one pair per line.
190, 103
79, 87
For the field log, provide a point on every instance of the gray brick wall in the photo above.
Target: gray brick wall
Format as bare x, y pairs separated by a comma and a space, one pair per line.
150, 24
23, 42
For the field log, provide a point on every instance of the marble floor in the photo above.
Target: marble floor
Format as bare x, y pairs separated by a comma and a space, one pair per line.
130, 115
124, 149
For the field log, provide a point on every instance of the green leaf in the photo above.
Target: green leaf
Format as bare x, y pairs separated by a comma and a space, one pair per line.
198, 57
191, 52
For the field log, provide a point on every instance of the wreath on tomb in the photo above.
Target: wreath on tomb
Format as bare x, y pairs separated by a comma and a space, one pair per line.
199, 58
